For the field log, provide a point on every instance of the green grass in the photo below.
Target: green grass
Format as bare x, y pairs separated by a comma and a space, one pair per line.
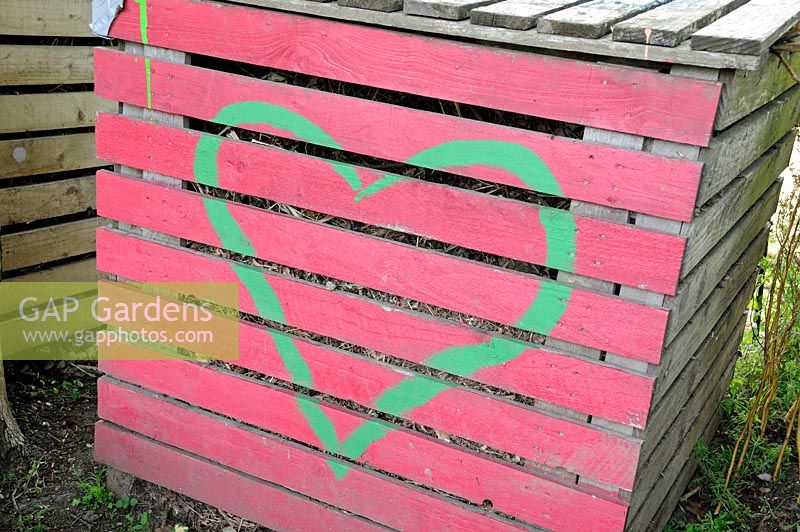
736, 513
95, 496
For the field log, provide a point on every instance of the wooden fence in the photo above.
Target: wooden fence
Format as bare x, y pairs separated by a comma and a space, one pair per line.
47, 142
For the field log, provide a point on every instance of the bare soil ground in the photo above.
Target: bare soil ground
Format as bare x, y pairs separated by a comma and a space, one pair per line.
58, 485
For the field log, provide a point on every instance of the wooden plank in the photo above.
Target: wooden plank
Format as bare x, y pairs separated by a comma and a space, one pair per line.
745, 90
671, 385
666, 494
386, 6
718, 215
628, 100
40, 18
29, 203
671, 24
287, 464
739, 146
192, 475
44, 155
446, 9
583, 170
538, 437
400, 451
727, 295
710, 359
518, 14
751, 29
696, 286
594, 19
594, 248
536, 372
531, 40
499, 295
683, 435
79, 271
45, 65
47, 244
60, 110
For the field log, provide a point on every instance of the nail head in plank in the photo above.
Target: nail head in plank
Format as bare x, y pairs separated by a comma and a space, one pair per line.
446, 9
518, 14
671, 24
593, 20
751, 29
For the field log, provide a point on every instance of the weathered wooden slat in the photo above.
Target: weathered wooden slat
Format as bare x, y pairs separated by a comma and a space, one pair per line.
65, 18
518, 14
739, 146
512, 427
44, 155
658, 522
608, 251
457, 284
718, 215
45, 65
594, 19
745, 90
628, 100
571, 382
751, 29
583, 170
60, 110
742, 270
696, 412
726, 296
387, 6
399, 451
446, 9
29, 203
79, 271
657, 503
300, 469
696, 286
206, 481
47, 244
705, 361
671, 24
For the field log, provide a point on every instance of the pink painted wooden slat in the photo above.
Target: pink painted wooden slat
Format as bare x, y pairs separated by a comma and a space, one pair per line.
460, 285
575, 383
265, 504
636, 181
287, 464
488, 420
609, 97
409, 454
609, 251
